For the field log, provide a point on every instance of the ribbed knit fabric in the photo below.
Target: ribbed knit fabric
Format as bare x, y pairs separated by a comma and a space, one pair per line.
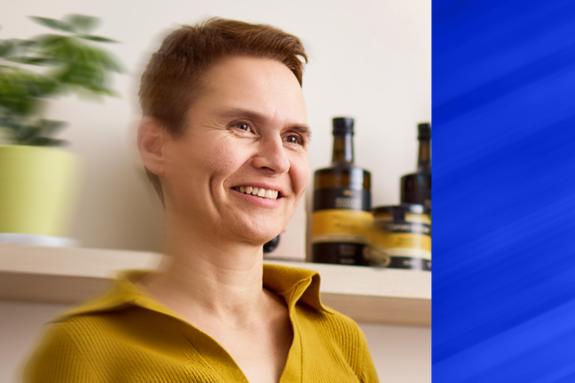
126, 336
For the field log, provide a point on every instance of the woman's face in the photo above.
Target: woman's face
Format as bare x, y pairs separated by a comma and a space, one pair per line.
247, 130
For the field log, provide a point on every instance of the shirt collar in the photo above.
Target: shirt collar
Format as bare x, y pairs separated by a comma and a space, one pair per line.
293, 284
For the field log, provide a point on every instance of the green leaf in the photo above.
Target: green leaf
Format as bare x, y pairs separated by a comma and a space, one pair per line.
25, 43
7, 47
32, 60
110, 62
75, 65
45, 141
49, 127
83, 23
48, 41
53, 23
29, 132
60, 48
99, 39
20, 90
10, 124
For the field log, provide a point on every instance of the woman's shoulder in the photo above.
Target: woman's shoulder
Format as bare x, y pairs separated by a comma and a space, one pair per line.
64, 352
89, 343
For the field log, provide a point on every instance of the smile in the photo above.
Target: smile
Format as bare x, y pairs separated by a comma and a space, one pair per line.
258, 192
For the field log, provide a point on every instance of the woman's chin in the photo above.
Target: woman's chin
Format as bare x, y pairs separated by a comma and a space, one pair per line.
259, 238
262, 240
257, 233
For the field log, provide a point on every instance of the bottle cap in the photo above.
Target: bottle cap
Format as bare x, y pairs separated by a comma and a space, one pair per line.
424, 130
342, 125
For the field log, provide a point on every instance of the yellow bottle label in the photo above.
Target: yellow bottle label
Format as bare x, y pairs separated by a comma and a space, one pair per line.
341, 225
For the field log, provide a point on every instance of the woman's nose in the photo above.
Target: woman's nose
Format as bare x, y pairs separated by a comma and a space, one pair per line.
272, 155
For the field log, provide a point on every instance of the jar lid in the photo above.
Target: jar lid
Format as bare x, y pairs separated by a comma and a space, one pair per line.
390, 209
413, 208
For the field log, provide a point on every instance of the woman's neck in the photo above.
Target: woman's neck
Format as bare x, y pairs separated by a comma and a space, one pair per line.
211, 281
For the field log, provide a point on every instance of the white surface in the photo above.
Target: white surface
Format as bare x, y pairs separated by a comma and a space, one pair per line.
400, 354
98, 263
37, 240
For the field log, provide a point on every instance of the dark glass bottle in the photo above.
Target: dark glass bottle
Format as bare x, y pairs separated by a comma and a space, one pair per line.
416, 187
271, 245
341, 204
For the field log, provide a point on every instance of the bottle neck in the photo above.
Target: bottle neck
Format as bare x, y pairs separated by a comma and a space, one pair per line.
424, 157
342, 149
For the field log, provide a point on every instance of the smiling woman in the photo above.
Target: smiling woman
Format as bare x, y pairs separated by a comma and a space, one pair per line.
240, 132
224, 140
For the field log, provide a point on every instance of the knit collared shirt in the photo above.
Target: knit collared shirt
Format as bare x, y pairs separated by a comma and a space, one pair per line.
126, 336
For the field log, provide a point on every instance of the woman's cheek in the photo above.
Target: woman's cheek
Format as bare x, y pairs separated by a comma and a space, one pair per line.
301, 173
223, 158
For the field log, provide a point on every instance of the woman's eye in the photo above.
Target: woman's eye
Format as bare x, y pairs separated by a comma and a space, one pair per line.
292, 139
243, 126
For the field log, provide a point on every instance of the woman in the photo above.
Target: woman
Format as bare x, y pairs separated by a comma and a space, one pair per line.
224, 141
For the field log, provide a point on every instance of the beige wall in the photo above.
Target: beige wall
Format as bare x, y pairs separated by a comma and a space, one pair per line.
369, 59
400, 354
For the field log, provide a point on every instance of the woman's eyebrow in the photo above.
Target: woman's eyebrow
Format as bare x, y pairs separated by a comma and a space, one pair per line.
243, 113
254, 116
302, 129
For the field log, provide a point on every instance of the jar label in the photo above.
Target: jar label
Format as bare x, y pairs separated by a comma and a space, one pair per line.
402, 244
406, 227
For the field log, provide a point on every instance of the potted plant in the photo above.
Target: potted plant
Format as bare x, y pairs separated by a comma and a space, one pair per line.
36, 179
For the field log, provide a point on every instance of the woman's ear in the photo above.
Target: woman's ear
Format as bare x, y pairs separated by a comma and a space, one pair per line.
151, 141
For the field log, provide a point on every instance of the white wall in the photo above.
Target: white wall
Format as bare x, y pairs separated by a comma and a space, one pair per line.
400, 354
369, 59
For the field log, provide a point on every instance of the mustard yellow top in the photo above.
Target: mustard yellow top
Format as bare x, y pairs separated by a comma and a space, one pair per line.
125, 336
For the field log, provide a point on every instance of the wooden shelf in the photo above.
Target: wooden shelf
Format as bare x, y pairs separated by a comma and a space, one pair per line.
72, 275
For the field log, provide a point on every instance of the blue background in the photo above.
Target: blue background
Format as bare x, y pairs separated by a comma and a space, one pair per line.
504, 191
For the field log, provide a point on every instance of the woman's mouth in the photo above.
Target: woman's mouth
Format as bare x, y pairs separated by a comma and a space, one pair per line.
258, 192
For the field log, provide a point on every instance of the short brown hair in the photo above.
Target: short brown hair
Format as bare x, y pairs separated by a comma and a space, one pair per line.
173, 76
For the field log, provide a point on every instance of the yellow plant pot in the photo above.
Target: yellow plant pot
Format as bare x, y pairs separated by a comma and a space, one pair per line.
37, 190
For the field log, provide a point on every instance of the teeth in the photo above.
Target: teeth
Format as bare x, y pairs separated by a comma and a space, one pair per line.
260, 192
